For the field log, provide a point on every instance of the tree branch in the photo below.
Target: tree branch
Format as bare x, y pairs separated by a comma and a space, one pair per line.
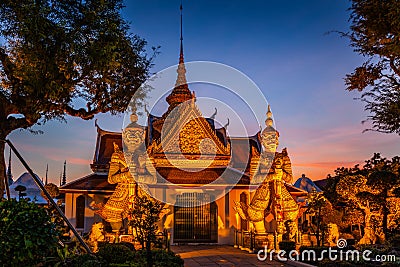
6, 62
394, 67
84, 114
390, 77
13, 123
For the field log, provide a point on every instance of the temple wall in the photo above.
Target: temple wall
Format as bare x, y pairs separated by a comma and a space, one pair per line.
89, 215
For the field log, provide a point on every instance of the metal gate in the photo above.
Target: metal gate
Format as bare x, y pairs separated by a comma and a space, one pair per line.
195, 219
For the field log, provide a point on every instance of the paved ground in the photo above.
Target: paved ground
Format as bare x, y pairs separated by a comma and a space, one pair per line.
216, 255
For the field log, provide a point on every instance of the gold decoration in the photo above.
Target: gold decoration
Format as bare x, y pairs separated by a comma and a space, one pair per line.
126, 173
271, 170
183, 132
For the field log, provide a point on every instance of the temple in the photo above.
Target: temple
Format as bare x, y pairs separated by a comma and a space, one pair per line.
215, 184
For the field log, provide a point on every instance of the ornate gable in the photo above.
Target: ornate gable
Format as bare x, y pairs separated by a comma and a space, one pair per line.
186, 131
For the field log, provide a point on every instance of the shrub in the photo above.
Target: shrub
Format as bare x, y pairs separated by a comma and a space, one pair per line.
128, 245
115, 253
394, 241
161, 258
27, 234
166, 258
85, 260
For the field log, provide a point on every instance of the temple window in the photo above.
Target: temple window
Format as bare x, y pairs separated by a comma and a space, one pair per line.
80, 211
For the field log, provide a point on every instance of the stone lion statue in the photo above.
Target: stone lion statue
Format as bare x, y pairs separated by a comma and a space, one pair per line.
96, 235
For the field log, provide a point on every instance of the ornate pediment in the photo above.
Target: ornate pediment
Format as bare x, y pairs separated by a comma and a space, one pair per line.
186, 131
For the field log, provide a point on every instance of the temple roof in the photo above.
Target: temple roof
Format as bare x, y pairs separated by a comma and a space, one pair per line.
242, 151
241, 148
295, 191
104, 149
91, 183
33, 192
321, 183
306, 184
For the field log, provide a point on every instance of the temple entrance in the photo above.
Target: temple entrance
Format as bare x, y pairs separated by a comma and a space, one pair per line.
195, 219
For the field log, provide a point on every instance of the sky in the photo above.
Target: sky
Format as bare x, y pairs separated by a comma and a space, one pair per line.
288, 48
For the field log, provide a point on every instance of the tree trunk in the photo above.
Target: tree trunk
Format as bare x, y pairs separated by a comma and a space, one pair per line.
369, 236
3, 175
385, 213
319, 227
148, 254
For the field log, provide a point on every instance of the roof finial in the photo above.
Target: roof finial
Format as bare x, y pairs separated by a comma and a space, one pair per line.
215, 114
227, 124
47, 171
64, 176
181, 48
181, 92
181, 80
269, 121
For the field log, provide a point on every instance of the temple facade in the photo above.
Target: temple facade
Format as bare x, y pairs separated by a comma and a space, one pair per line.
241, 185
213, 184
243, 207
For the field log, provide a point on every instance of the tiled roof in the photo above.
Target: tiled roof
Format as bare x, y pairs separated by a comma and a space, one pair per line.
321, 183
91, 182
307, 184
294, 190
241, 148
241, 151
104, 148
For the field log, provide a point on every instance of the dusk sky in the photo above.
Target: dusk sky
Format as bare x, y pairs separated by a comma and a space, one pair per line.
283, 46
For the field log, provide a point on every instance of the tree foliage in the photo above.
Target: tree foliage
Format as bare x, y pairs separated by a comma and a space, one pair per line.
143, 219
52, 189
375, 34
62, 58
316, 205
27, 233
372, 189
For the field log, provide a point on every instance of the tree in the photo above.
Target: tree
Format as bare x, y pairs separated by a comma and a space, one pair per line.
372, 190
315, 203
52, 189
143, 218
27, 233
375, 34
352, 183
63, 58
384, 177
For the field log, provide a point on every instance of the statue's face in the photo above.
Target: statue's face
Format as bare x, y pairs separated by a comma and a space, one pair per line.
269, 140
133, 138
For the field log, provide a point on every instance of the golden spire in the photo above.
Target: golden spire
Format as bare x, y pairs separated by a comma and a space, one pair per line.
181, 48
181, 92
269, 121
181, 79
269, 136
